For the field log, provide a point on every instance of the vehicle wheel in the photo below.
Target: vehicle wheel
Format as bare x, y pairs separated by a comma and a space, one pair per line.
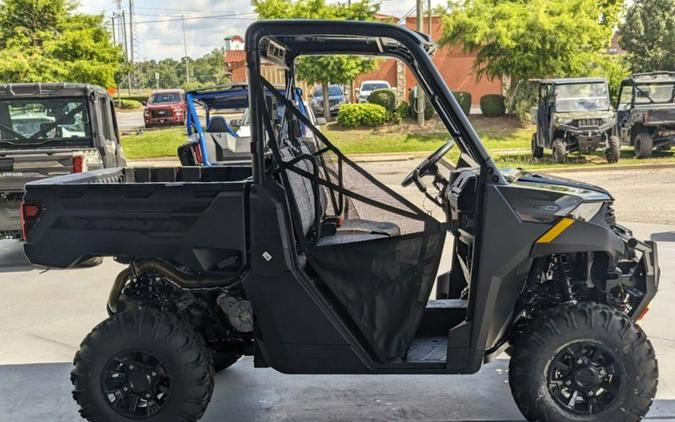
583, 362
142, 364
613, 149
643, 145
537, 151
559, 151
223, 360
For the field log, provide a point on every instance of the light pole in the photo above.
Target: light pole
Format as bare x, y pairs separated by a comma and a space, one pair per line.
187, 63
420, 92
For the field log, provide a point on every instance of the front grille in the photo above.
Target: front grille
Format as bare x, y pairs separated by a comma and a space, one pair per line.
334, 102
162, 113
582, 123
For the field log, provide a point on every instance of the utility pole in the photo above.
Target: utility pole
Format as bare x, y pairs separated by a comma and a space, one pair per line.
112, 22
131, 31
420, 92
187, 64
124, 25
429, 23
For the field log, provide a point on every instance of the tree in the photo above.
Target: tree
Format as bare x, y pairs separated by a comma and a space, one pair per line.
520, 40
323, 70
46, 41
648, 35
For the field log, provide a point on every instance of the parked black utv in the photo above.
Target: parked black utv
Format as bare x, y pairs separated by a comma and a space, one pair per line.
646, 112
311, 265
574, 114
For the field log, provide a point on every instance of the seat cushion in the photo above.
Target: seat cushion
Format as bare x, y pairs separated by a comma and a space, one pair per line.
369, 226
348, 237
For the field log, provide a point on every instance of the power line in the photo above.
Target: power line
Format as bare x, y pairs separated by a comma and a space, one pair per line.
230, 16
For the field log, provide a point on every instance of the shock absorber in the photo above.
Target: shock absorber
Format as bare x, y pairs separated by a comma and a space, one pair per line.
565, 274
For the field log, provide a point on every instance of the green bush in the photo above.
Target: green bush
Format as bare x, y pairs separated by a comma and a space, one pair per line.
464, 100
365, 114
402, 111
139, 98
384, 97
428, 109
492, 105
126, 104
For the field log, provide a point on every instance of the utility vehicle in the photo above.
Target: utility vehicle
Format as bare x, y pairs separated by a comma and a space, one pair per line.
310, 264
215, 140
646, 112
165, 107
48, 130
574, 114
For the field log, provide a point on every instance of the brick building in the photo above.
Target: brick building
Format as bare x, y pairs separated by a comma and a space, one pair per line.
455, 66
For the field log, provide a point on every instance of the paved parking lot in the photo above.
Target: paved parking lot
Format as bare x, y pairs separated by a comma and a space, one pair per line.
44, 315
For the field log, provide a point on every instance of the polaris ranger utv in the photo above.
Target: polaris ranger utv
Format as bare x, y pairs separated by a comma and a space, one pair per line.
310, 264
48, 130
574, 114
646, 112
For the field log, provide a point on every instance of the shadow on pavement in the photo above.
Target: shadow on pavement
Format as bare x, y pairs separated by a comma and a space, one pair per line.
663, 237
12, 257
243, 393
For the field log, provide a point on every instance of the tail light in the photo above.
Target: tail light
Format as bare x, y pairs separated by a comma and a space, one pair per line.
29, 214
79, 164
198, 153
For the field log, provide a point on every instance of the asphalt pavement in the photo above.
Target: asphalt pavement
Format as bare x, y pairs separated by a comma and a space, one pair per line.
44, 316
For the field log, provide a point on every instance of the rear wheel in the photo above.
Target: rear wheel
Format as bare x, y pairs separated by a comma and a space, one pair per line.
613, 149
643, 145
583, 362
142, 364
559, 151
537, 151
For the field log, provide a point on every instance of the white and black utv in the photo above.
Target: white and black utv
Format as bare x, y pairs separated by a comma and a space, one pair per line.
311, 265
646, 112
574, 114
48, 130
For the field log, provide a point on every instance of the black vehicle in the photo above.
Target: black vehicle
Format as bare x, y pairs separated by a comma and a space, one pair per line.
574, 114
48, 130
646, 112
311, 265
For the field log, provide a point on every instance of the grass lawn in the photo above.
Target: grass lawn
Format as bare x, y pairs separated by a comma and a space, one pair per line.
154, 143
507, 141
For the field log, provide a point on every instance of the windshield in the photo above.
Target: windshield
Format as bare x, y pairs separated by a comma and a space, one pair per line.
582, 97
654, 93
333, 91
44, 122
164, 97
372, 86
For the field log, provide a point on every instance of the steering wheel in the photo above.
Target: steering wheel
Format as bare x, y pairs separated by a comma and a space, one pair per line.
427, 167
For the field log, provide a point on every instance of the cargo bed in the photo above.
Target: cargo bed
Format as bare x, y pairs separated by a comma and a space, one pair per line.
175, 214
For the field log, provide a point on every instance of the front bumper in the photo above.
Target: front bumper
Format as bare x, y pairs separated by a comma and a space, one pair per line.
640, 271
164, 120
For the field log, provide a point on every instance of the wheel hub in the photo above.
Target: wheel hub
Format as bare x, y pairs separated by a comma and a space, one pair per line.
584, 378
136, 385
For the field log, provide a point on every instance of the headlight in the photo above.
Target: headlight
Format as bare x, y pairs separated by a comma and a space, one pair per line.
586, 211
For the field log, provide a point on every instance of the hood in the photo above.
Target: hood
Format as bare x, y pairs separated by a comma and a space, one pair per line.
164, 105
577, 115
585, 191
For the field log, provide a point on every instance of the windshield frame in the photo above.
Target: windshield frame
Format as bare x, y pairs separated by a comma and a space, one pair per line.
44, 142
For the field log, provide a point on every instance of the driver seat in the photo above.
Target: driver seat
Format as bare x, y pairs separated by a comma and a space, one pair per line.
351, 230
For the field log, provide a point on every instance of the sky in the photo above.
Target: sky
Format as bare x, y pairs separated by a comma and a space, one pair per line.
159, 25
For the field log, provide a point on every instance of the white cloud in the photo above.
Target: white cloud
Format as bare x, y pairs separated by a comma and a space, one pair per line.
159, 38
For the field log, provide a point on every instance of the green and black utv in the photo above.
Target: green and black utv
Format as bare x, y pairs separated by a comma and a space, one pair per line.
574, 114
646, 112
311, 265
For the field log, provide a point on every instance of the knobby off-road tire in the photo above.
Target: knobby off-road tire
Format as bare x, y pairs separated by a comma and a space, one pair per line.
577, 347
559, 150
537, 151
613, 149
643, 144
142, 364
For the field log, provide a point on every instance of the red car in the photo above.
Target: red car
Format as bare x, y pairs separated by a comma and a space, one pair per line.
165, 107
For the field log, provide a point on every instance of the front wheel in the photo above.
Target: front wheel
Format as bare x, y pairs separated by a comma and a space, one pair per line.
559, 150
537, 151
142, 364
613, 149
583, 362
643, 145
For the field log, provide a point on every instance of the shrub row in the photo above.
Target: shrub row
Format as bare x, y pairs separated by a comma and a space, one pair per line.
366, 114
126, 104
492, 105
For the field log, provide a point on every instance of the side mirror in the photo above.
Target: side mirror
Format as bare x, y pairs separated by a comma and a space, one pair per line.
144, 103
321, 121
